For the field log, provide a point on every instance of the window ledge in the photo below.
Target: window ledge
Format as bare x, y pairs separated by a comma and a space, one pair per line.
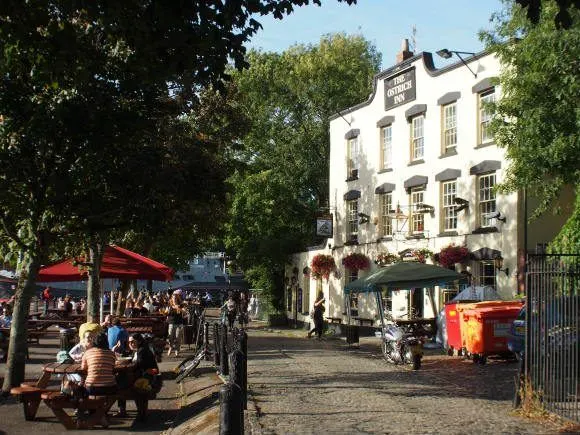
385, 170
484, 145
448, 234
416, 162
485, 230
351, 243
351, 179
449, 153
416, 236
385, 239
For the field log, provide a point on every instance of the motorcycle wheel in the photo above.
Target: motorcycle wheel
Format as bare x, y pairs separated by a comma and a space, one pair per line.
386, 352
416, 362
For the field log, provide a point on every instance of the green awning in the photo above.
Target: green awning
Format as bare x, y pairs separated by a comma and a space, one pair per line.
404, 275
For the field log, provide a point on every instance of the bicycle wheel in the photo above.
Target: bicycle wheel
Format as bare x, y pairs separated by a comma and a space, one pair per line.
189, 366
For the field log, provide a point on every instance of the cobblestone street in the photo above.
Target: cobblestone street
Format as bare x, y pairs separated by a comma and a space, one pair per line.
308, 386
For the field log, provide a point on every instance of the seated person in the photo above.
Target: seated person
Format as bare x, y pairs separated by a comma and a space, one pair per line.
145, 365
140, 309
129, 310
98, 363
117, 336
6, 318
94, 328
82, 346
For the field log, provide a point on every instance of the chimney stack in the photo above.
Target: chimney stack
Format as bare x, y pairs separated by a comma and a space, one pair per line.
404, 54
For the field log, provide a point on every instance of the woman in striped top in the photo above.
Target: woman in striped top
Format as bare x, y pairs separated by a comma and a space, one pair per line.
99, 364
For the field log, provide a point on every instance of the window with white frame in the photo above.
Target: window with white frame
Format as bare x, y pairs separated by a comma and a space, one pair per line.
448, 213
386, 147
486, 198
417, 218
352, 157
485, 273
485, 116
417, 139
449, 126
386, 222
352, 219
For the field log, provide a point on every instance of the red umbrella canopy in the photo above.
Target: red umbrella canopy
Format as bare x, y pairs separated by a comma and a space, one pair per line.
117, 263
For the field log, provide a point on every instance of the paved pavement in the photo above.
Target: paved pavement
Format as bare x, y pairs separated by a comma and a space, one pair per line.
307, 386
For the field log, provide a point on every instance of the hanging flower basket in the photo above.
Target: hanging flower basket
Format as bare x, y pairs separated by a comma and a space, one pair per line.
356, 261
386, 258
422, 254
306, 271
452, 254
322, 265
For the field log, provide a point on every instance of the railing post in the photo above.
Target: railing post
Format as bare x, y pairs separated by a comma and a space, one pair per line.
224, 369
206, 340
237, 377
231, 410
216, 346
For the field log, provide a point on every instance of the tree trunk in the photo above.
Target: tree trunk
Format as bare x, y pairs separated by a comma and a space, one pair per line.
123, 292
96, 252
16, 363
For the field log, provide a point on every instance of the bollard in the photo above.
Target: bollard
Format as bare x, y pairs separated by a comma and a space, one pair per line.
243, 339
216, 346
231, 412
224, 367
237, 373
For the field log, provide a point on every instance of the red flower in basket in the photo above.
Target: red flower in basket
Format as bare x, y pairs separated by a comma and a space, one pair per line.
356, 261
322, 265
452, 254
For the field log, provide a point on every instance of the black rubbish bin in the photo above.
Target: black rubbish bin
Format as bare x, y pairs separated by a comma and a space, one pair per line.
352, 334
67, 338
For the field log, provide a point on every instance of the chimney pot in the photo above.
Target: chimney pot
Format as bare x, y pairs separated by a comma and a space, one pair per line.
405, 53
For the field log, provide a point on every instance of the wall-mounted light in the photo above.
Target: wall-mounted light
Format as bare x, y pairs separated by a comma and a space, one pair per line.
424, 208
364, 218
462, 204
495, 215
499, 265
446, 54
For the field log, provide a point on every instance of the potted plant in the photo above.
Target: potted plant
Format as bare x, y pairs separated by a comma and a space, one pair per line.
306, 271
356, 261
452, 254
386, 258
322, 265
422, 254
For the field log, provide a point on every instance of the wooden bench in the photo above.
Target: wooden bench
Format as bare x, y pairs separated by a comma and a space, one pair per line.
30, 397
336, 320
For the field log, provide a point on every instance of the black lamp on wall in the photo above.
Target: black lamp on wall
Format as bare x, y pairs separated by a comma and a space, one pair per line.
446, 54
499, 264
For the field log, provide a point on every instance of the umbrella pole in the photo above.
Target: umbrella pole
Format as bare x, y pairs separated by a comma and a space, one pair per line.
381, 312
112, 298
102, 301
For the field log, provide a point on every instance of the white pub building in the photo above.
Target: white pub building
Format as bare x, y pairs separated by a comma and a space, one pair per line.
413, 170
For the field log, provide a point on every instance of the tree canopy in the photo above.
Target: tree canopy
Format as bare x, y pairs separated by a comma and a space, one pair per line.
283, 182
538, 116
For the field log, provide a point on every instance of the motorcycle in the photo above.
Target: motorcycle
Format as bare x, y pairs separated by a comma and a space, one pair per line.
402, 345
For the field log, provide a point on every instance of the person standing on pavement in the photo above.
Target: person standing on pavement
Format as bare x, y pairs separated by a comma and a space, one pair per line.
318, 312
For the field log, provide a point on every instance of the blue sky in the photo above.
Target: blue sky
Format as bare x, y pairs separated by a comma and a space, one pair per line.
451, 24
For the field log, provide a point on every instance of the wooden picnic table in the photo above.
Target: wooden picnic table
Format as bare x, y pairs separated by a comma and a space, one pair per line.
58, 402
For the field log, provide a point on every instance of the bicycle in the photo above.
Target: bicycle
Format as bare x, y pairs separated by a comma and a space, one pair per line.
188, 365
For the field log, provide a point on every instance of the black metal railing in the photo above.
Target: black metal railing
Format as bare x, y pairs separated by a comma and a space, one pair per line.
552, 355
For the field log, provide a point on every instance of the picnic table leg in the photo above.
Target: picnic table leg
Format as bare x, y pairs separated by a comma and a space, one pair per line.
66, 420
30, 408
142, 407
43, 381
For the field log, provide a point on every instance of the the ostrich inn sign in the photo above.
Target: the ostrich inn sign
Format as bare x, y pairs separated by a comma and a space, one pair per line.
400, 89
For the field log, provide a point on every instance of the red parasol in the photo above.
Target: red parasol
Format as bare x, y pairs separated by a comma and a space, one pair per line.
117, 263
